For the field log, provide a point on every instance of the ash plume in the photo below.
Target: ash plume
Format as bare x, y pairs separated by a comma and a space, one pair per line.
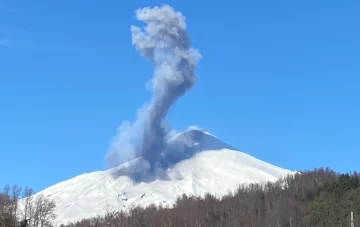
165, 42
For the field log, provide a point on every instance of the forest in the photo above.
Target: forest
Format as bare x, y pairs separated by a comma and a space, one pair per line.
317, 198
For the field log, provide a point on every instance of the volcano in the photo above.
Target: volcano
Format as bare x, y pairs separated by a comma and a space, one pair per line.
207, 165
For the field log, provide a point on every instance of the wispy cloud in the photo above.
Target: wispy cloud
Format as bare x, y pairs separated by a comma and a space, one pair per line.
20, 44
38, 46
3, 42
6, 8
21, 38
9, 38
15, 38
12, 37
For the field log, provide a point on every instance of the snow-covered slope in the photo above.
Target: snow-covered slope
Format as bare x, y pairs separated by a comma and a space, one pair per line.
212, 166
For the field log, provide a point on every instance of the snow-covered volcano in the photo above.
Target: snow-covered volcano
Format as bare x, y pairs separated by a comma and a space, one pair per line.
210, 165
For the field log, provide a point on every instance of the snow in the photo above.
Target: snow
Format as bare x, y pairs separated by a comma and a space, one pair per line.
215, 167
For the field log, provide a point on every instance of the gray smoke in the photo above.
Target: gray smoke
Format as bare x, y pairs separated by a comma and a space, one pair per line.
165, 42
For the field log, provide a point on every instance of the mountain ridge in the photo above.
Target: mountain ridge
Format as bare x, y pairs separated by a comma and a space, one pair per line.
212, 166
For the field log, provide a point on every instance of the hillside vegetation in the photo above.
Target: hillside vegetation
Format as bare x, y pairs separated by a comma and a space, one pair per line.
315, 198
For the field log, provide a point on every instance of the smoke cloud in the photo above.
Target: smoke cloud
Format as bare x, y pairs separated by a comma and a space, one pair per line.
165, 42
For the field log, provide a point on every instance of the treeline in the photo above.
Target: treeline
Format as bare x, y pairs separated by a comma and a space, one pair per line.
20, 208
319, 198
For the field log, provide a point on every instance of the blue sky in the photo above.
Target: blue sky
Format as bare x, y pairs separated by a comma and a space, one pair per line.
278, 80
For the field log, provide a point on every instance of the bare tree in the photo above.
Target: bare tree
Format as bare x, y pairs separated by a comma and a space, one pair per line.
43, 212
28, 198
15, 196
9, 198
5, 202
